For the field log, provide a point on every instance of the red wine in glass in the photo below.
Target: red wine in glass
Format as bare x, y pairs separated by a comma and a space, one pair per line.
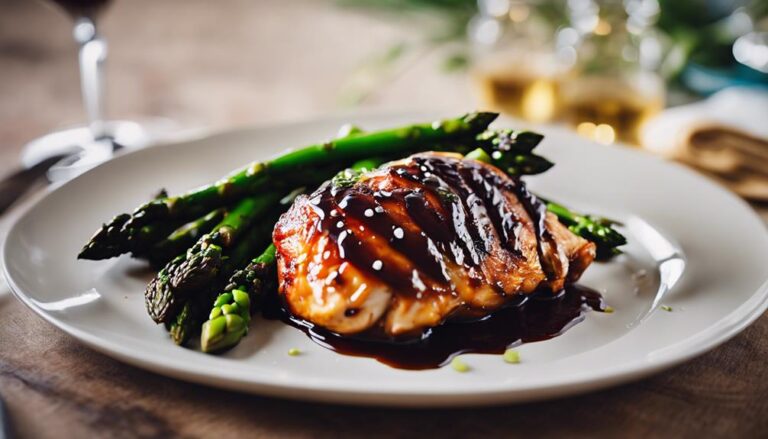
82, 8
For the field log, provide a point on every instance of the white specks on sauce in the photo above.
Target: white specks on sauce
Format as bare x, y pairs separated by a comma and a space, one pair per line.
378, 209
377, 265
340, 224
368, 213
331, 277
417, 282
399, 234
355, 297
342, 236
326, 254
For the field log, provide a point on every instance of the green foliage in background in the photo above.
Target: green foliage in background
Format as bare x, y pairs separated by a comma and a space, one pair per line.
696, 31
705, 30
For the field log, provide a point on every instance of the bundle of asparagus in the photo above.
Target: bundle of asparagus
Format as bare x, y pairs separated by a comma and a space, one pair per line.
206, 242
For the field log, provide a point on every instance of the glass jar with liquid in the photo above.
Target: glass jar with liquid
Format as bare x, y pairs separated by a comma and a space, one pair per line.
516, 69
613, 87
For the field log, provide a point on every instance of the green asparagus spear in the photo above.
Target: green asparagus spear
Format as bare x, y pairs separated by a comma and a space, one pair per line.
110, 240
231, 314
120, 237
508, 140
200, 265
592, 228
193, 312
183, 238
512, 163
510, 150
198, 303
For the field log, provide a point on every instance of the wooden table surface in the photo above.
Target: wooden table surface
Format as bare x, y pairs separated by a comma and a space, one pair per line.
239, 63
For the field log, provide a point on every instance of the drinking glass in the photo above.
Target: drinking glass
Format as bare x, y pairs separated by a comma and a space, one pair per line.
516, 69
82, 147
614, 87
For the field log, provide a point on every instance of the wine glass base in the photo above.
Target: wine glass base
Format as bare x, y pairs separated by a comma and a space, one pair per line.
83, 152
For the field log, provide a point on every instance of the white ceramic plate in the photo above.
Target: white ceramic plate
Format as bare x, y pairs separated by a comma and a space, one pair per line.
693, 247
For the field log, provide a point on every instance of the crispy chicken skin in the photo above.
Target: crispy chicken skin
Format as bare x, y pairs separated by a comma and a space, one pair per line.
422, 240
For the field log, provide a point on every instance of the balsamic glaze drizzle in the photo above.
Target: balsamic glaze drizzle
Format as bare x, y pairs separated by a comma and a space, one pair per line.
457, 207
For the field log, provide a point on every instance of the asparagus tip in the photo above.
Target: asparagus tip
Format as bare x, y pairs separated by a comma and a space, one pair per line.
108, 241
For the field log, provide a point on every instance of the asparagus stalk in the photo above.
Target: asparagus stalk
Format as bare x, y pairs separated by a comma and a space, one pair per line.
592, 228
198, 304
510, 150
183, 238
110, 240
119, 236
228, 321
512, 163
192, 313
200, 265
508, 140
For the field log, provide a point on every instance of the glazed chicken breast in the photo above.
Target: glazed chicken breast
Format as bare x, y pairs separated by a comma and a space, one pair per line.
418, 242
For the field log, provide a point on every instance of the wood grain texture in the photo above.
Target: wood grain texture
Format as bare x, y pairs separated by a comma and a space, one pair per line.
55, 387
245, 62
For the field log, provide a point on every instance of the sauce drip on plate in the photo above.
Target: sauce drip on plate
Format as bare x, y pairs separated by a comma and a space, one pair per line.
537, 317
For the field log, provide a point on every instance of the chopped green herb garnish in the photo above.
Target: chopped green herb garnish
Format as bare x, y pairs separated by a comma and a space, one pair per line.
293, 352
666, 308
346, 178
511, 356
608, 309
480, 155
458, 365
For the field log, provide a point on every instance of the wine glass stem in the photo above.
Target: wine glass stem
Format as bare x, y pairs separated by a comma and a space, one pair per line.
93, 53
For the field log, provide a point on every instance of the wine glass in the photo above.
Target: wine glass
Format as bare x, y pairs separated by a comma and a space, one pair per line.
83, 147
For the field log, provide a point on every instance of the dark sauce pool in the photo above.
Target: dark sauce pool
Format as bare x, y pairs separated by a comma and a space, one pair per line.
538, 317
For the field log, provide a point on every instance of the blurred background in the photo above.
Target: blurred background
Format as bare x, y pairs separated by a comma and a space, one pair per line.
685, 79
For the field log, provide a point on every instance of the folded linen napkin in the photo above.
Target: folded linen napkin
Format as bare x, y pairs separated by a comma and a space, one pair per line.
725, 136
